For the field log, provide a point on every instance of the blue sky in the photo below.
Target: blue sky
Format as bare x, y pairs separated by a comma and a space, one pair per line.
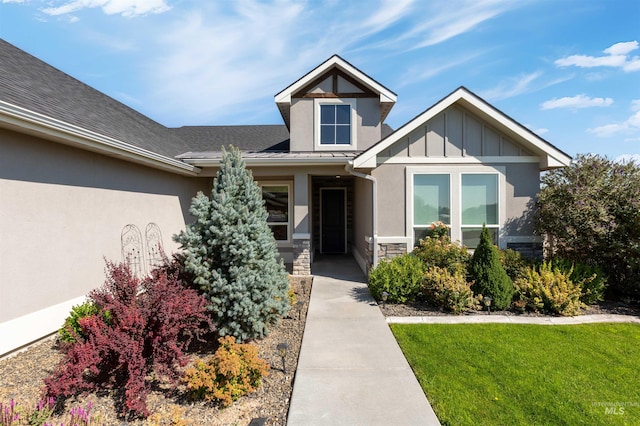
567, 69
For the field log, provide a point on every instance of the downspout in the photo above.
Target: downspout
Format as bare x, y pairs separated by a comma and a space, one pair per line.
374, 215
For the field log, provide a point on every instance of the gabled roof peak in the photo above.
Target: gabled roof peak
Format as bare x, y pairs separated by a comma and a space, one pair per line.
386, 96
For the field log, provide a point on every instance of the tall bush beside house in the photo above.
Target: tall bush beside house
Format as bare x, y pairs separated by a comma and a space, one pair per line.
150, 324
400, 277
232, 254
591, 212
489, 275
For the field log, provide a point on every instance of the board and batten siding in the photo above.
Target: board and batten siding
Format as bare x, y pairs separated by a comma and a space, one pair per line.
455, 133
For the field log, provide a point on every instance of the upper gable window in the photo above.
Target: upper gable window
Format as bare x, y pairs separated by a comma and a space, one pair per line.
335, 124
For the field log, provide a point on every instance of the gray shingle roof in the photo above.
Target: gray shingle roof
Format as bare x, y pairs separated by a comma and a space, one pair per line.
30, 83
255, 138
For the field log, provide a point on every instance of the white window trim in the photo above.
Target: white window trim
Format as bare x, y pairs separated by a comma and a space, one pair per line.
316, 124
289, 241
455, 194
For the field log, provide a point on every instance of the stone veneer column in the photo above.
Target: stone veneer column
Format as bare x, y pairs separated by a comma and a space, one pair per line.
301, 234
301, 256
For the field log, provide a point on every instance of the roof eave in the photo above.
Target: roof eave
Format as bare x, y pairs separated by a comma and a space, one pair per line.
551, 157
271, 162
26, 121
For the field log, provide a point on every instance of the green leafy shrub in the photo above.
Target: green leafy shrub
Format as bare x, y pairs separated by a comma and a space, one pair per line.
592, 279
231, 253
489, 275
233, 371
71, 329
550, 290
401, 277
591, 211
443, 253
514, 264
448, 290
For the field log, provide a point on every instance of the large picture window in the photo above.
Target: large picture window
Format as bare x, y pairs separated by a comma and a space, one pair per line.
479, 200
431, 202
463, 199
276, 198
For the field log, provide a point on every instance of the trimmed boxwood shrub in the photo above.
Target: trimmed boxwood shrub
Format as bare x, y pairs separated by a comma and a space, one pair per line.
401, 277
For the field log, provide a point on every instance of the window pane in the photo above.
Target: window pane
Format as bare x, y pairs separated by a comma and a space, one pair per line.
327, 114
327, 134
343, 135
471, 236
280, 232
343, 114
431, 199
479, 199
276, 200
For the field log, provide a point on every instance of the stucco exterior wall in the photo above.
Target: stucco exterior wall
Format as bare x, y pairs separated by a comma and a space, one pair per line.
522, 183
302, 132
391, 199
63, 210
363, 217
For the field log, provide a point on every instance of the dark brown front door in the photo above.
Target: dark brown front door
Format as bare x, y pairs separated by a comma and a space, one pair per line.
333, 224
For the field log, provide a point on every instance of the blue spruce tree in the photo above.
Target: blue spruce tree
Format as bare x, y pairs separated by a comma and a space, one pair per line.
232, 254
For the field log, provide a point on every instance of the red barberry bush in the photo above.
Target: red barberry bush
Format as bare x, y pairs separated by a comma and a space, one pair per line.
151, 323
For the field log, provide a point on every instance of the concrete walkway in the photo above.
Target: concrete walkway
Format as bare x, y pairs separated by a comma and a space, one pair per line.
351, 371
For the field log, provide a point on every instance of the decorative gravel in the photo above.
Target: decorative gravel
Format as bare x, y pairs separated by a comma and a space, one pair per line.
21, 378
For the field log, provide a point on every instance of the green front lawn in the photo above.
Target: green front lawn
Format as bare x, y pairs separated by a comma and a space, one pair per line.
507, 374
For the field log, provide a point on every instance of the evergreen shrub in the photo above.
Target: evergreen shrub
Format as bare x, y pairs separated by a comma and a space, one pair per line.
489, 275
400, 277
550, 290
232, 255
448, 290
233, 371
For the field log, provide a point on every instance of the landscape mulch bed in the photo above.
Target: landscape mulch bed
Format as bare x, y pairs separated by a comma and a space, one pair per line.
21, 378
423, 309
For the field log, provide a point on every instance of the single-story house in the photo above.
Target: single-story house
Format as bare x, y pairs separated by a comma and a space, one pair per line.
83, 177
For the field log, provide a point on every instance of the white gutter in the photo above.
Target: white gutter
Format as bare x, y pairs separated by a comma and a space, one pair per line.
21, 119
374, 214
270, 162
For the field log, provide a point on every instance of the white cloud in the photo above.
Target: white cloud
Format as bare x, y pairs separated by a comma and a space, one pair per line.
13, 1
578, 101
512, 87
541, 131
622, 48
630, 125
616, 56
127, 8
